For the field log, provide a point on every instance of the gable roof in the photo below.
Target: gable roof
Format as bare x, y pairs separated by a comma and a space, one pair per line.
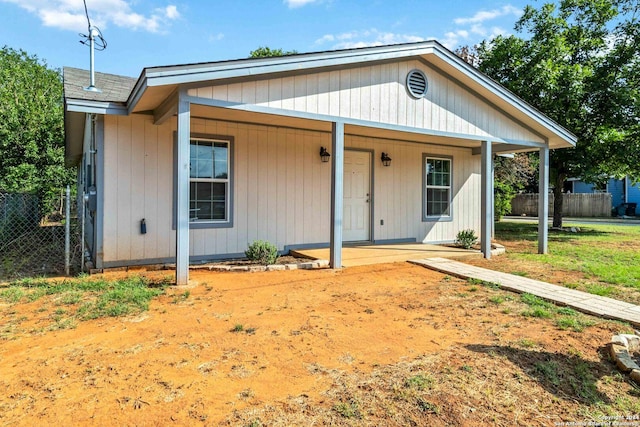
156, 84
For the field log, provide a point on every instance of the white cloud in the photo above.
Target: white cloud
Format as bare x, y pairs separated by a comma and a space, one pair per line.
70, 15
452, 39
292, 4
484, 15
366, 38
471, 27
216, 37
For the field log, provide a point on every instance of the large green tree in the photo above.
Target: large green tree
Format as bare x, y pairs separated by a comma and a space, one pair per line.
31, 127
578, 63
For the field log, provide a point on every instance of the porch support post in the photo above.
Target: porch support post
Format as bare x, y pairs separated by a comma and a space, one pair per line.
337, 183
487, 199
543, 200
182, 199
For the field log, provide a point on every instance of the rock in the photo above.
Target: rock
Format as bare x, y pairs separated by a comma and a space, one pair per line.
635, 375
291, 266
622, 358
275, 267
632, 342
620, 340
574, 230
220, 267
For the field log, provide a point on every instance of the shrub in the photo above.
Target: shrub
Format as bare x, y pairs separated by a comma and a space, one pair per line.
466, 238
263, 252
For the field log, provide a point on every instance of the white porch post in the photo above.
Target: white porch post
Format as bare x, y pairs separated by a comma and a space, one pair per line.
182, 199
543, 200
337, 183
487, 199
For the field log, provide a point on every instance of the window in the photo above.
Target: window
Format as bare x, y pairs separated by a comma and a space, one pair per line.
437, 188
209, 182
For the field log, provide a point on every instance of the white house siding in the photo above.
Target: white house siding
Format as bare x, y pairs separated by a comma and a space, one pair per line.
138, 184
378, 94
397, 191
281, 189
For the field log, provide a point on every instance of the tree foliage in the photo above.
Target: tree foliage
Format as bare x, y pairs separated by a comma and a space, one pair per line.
265, 52
580, 66
31, 127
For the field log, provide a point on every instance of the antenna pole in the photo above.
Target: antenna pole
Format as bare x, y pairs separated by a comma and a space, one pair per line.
92, 79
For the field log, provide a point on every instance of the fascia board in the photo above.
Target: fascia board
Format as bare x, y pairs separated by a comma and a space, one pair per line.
96, 107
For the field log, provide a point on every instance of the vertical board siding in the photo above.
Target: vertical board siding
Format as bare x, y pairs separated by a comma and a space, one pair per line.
377, 93
281, 189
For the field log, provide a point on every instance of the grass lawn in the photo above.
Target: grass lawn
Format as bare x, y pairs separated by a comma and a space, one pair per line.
599, 259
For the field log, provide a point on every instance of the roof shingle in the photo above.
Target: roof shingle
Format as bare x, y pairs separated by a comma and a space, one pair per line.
114, 88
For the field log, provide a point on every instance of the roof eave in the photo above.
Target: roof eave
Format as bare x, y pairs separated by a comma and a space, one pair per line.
96, 107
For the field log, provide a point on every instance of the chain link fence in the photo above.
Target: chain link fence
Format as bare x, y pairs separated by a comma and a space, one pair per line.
32, 243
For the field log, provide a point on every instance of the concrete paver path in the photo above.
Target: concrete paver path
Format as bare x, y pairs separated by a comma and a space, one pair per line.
592, 304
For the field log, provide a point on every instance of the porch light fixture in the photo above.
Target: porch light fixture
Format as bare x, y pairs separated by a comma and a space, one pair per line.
324, 155
386, 160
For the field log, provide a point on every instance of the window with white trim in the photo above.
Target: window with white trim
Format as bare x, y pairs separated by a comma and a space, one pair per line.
209, 182
437, 187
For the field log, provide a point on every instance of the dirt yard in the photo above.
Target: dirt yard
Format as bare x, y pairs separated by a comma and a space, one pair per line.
391, 344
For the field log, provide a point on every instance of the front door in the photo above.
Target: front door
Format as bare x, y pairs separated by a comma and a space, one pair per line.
356, 221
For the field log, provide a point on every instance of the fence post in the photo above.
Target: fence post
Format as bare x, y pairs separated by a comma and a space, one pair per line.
67, 232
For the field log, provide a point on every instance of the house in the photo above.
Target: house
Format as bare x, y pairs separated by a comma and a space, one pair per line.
624, 193
194, 162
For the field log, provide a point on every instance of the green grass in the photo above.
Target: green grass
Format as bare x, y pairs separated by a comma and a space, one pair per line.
564, 317
85, 298
606, 254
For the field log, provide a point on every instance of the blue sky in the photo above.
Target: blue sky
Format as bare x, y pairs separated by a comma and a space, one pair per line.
142, 33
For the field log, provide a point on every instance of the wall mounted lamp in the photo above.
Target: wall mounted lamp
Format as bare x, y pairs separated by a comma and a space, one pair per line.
324, 155
386, 160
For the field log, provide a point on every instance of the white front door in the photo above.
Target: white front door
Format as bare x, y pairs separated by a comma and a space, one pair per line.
356, 225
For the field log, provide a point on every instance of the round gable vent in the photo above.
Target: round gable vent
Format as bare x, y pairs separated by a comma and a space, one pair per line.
417, 83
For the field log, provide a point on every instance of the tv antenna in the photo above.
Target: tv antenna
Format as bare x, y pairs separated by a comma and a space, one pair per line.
96, 42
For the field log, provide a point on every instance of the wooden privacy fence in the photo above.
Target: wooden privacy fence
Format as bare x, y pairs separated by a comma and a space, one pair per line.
576, 205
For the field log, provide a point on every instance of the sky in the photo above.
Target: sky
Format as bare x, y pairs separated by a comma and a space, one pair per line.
147, 33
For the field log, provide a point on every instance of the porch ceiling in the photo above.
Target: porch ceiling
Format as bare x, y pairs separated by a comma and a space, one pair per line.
232, 115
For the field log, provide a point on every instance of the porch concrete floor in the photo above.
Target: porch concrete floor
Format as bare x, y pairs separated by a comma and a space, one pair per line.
354, 255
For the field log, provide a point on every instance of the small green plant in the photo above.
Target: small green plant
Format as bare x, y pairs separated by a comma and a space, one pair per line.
12, 294
497, 300
466, 238
348, 409
263, 252
238, 328
181, 297
548, 371
419, 382
526, 343
539, 312
576, 324
426, 406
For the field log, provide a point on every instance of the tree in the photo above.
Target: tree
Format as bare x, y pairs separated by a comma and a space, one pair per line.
580, 67
31, 128
511, 174
265, 52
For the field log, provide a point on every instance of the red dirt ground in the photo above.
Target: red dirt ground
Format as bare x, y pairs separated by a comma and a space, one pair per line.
304, 333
